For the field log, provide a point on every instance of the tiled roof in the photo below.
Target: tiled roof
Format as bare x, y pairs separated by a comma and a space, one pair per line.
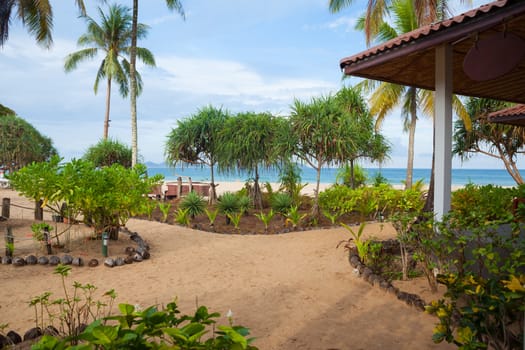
423, 32
513, 115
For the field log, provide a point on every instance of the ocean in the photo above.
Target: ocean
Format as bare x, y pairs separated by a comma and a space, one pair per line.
395, 176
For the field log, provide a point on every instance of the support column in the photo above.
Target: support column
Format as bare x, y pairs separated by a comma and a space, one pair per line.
443, 125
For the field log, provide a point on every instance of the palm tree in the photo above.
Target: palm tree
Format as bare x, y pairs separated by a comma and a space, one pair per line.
426, 12
172, 5
386, 96
112, 36
36, 15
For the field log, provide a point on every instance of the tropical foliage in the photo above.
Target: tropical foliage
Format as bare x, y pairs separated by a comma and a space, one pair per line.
500, 141
107, 152
195, 141
175, 5
21, 144
111, 36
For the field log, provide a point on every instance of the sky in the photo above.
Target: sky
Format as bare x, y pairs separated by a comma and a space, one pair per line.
240, 55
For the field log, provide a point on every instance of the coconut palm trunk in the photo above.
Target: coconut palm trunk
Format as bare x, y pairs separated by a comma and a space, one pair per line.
108, 102
411, 139
133, 83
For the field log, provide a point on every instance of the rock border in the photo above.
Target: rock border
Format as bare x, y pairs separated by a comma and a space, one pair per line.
133, 254
366, 273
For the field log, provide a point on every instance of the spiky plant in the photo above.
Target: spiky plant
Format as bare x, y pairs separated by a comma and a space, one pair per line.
194, 203
228, 203
281, 202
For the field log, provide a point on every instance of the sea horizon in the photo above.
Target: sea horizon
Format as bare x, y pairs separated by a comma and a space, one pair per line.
395, 176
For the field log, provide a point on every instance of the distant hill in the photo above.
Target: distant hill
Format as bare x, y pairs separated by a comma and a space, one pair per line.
156, 165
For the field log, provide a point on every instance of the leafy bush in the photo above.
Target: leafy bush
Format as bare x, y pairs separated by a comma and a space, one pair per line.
487, 203
151, 328
281, 202
194, 203
344, 176
338, 199
109, 152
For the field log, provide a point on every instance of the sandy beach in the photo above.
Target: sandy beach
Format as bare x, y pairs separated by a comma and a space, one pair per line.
294, 291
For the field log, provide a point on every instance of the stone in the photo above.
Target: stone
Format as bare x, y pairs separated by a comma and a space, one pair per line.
18, 261
50, 330
129, 250
354, 260
66, 259
31, 260
7, 260
54, 260
3, 341
43, 260
384, 285
109, 262
93, 263
128, 259
137, 257
366, 272
13, 337
33, 333
119, 261
78, 261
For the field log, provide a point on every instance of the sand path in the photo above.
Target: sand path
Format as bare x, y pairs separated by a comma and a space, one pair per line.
294, 291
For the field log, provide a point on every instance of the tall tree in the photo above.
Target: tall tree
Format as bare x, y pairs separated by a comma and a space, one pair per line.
246, 143
426, 12
36, 15
500, 141
386, 97
172, 5
21, 144
329, 130
113, 37
195, 141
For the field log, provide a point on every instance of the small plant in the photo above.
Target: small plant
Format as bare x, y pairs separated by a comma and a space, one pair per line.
235, 219
281, 202
182, 217
361, 244
148, 208
245, 204
266, 218
73, 310
9, 248
194, 203
165, 210
228, 203
331, 216
212, 215
294, 217
39, 229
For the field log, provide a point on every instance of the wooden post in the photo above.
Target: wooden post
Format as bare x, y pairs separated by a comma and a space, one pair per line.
47, 239
39, 211
6, 204
9, 241
179, 187
191, 185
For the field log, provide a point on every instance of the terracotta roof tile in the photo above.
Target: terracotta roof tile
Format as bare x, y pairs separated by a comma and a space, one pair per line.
514, 112
422, 32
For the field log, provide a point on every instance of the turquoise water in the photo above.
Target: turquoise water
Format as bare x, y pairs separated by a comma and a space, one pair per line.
328, 175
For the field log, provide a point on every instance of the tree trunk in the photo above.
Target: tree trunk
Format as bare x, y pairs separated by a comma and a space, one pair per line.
257, 197
352, 175
212, 194
106, 117
133, 83
315, 205
411, 138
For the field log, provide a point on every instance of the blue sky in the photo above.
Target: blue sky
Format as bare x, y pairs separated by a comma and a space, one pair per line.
241, 55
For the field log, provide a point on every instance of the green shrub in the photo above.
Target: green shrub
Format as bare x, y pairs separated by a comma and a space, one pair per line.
228, 203
344, 176
338, 199
245, 203
281, 202
194, 203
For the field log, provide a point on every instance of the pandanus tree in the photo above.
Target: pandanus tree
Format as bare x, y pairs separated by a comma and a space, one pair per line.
112, 37
174, 5
328, 130
195, 141
246, 143
500, 141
